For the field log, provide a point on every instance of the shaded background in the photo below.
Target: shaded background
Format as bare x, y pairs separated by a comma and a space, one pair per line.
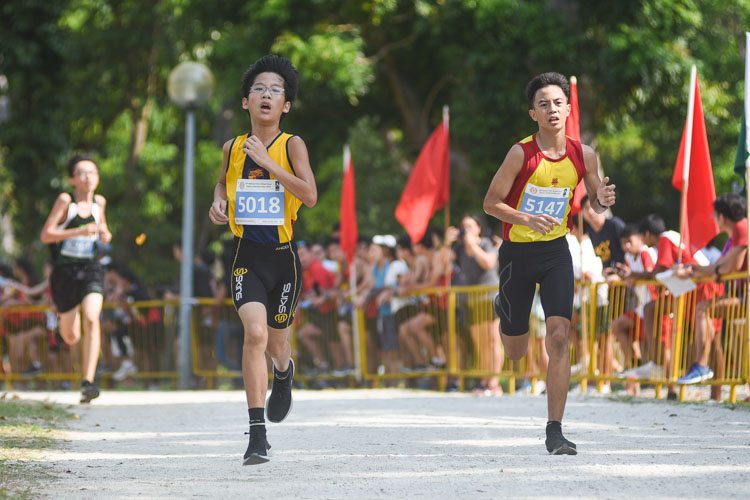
90, 75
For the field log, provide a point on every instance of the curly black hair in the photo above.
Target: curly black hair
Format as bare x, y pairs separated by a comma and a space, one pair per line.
272, 63
543, 80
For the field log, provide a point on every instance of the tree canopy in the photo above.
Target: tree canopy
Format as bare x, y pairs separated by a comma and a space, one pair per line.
90, 75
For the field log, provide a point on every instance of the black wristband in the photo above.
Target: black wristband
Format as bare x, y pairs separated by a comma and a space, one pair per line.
600, 203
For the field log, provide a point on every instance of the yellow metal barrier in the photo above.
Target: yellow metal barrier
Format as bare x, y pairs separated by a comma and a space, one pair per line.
428, 339
667, 334
140, 336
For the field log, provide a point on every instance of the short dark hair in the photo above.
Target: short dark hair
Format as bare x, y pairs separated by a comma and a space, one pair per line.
405, 243
544, 80
272, 63
731, 206
653, 224
474, 216
426, 240
629, 230
76, 159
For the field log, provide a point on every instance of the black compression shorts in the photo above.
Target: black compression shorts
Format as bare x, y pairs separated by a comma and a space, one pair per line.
269, 274
522, 266
70, 283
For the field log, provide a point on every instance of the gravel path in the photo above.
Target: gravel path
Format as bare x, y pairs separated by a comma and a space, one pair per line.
397, 444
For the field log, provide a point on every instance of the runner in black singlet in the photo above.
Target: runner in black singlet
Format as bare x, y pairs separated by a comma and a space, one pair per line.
74, 227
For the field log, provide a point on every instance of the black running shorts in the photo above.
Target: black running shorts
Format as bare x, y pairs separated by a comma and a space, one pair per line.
269, 274
71, 282
522, 266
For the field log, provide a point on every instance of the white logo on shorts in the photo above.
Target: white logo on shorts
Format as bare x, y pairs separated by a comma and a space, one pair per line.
284, 297
238, 288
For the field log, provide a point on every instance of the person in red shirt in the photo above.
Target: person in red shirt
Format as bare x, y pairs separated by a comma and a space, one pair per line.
669, 252
628, 328
729, 212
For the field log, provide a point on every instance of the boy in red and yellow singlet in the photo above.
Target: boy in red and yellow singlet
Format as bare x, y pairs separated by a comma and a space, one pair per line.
531, 193
265, 178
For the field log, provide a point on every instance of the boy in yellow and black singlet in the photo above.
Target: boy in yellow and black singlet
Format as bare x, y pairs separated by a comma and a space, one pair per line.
531, 194
265, 178
73, 228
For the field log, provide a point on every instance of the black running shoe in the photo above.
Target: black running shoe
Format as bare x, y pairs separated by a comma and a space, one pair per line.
89, 391
257, 448
279, 403
558, 445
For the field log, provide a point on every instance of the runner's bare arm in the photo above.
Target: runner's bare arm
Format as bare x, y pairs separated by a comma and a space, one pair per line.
600, 194
494, 201
50, 231
217, 212
104, 233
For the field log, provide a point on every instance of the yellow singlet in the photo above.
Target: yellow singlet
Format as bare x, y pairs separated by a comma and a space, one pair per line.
259, 208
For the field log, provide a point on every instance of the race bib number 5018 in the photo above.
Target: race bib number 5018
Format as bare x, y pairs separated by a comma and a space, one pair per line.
259, 202
545, 200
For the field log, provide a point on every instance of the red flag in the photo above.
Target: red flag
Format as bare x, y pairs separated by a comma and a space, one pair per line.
697, 225
348, 232
428, 187
573, 130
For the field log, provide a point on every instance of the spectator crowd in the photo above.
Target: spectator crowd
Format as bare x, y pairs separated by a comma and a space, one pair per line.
401, 288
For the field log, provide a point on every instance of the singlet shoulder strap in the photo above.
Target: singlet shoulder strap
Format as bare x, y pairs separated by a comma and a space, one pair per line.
96, 211
72, 212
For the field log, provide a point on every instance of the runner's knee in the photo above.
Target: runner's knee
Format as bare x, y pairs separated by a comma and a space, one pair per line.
256, 335
557, 342
515, 347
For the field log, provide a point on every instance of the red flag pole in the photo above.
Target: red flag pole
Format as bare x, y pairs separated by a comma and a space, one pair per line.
686, 159
573, 129
447, 208
428, 188
353, 286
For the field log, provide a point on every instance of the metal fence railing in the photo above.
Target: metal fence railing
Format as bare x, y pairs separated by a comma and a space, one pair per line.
432, 339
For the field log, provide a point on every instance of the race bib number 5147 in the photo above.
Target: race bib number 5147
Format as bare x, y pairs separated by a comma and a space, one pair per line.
545, 200
259, 202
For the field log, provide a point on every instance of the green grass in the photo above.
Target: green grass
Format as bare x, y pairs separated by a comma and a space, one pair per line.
26, 429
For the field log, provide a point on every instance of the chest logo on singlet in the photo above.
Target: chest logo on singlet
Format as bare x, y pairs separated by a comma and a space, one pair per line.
259, 202
538, 200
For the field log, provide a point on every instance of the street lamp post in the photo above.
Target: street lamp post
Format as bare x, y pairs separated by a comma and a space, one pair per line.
190, 86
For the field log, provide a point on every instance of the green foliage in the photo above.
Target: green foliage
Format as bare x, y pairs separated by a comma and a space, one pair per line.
90, 75
333, 58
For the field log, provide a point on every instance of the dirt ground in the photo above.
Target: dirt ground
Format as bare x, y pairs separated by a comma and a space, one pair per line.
393, 443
